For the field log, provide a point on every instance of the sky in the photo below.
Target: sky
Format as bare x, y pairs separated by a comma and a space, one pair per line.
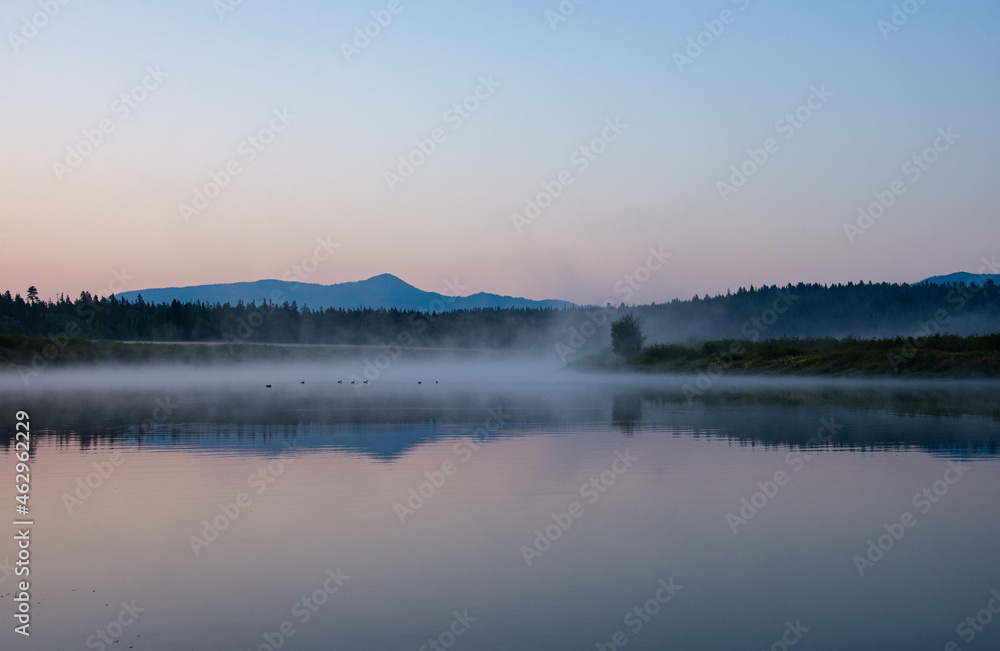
264, 139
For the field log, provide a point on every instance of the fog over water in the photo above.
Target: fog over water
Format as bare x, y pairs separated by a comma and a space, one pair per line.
218, 504
460, 389
410, 368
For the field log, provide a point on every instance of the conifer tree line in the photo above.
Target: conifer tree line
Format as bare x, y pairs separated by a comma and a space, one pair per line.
866, 310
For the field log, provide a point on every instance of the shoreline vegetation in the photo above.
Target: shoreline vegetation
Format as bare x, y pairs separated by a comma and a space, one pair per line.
866, 311
939, 356
18, 352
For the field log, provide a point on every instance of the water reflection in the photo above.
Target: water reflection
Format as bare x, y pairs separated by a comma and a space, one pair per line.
626, 412
944, 418
284, 490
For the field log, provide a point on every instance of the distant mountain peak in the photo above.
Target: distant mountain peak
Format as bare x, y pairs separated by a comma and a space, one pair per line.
387, 280
381, 291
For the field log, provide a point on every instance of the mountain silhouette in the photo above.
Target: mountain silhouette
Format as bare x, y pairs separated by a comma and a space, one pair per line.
384, 291
961, 277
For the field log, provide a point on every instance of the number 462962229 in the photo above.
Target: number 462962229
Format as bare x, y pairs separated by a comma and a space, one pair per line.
22, 450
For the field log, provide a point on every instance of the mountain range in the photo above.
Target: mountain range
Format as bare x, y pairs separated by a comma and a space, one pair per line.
388, 291
961, 277
384, 291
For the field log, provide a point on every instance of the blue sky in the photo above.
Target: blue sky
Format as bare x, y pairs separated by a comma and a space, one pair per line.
655, 185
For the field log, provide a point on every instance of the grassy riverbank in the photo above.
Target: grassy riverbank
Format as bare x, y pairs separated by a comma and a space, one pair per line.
38, 352
939, 356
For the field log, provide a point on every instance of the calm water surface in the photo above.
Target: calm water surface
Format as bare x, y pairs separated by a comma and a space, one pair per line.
506, 516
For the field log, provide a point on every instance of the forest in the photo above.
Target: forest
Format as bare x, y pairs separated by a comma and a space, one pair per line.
857, 310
